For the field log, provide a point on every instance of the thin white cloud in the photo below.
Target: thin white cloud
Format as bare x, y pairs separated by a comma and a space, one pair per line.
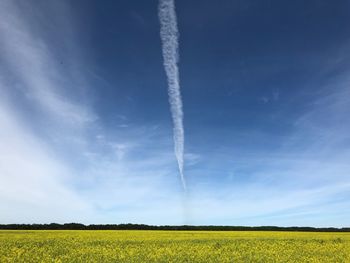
33, 183
303, 180
170, 43
37, 185
264, 99
42, 78
97, 174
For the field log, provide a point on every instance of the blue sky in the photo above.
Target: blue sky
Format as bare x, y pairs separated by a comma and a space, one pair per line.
86, 132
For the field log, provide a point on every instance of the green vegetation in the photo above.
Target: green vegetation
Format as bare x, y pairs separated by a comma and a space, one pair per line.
75, 226
172, 246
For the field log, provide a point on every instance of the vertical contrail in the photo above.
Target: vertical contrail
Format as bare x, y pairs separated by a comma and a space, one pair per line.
169, 35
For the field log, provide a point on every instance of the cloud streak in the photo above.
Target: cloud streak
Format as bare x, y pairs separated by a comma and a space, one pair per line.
59, 161
170, 43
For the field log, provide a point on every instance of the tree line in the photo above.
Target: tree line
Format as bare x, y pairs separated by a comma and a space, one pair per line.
77, 226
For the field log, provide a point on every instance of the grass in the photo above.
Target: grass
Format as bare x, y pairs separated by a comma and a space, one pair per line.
172, 246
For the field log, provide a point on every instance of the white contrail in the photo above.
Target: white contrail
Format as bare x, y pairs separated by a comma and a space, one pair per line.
169, 35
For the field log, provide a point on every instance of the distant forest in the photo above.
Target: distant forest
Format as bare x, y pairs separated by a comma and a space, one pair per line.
76, 226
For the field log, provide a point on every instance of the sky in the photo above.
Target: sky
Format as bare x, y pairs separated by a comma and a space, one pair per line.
87, 131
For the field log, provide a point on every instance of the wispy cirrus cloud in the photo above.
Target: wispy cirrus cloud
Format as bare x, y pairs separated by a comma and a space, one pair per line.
60, 162
304, 176
54, 147
31, 62
36, 182
33, 182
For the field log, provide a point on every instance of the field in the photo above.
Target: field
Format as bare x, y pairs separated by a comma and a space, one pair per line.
176, 246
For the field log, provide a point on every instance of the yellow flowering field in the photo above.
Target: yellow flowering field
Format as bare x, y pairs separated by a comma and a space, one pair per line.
172, 246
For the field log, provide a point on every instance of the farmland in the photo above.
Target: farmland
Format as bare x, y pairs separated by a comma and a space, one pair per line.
172, 246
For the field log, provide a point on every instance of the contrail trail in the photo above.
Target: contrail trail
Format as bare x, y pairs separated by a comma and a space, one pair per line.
170, 43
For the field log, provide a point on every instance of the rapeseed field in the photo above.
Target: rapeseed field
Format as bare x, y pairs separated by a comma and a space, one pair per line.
172, 246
